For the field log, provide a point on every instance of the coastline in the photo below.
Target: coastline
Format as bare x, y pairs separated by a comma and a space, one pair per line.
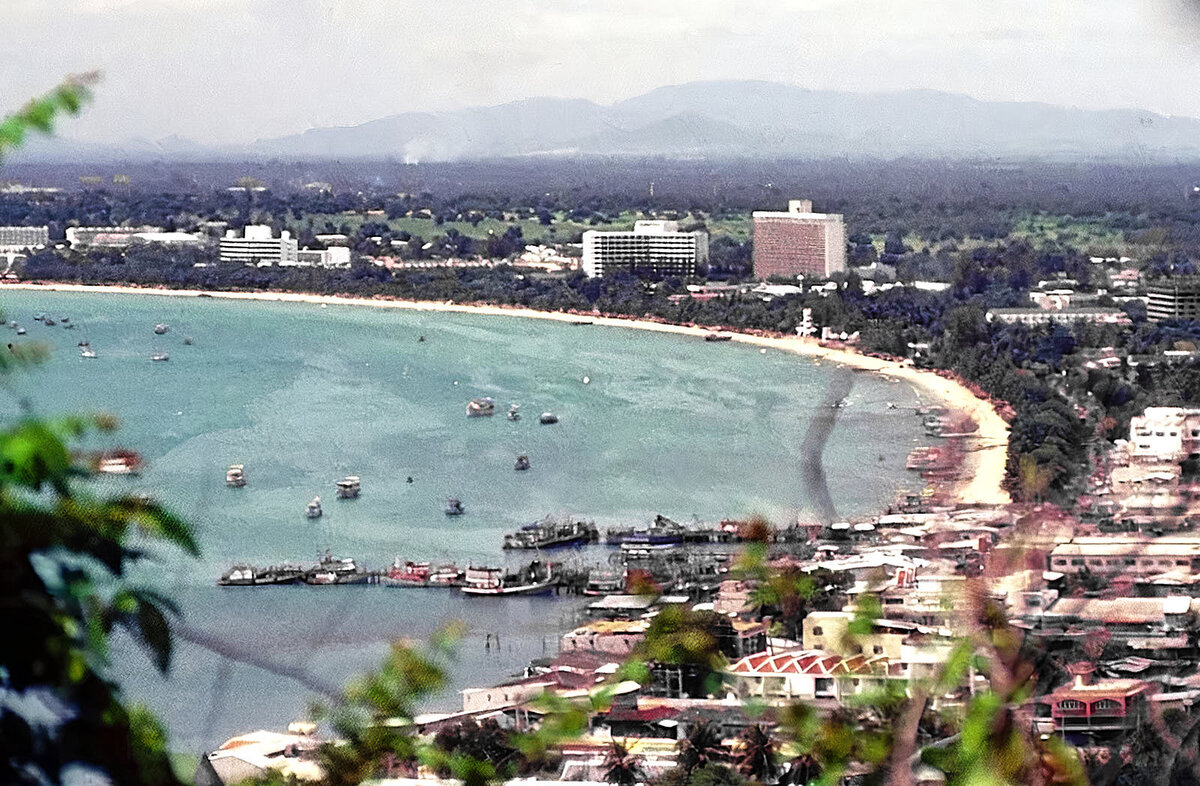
987, 449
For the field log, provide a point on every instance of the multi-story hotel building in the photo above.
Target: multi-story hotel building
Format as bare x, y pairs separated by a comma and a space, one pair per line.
652, 246
256, 246
1165, 435
798, 242
1177, 297
24, 238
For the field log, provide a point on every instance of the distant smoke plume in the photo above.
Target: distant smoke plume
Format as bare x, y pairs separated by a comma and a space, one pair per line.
812, 449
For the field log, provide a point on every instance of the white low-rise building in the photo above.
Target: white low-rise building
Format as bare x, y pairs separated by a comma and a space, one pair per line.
333, 257
24, 238
1166, 435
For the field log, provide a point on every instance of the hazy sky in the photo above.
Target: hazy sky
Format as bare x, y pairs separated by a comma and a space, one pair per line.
236, 70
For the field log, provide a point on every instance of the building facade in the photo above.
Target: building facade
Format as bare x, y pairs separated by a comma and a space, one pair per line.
652, 246
24, 238
106, 237
798, 242
256, 246
1065, 316
336, 256
1174, 298
1166, 435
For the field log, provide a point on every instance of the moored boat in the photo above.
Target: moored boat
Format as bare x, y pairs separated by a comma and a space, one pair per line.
553, 532
454, 507
662, 533
160, 328
522, 463
332, 570
537, 578
547, 418
714, 336
251, 576
604, 582
235, 476
349, 487
481, 407
117, 462
514, 412
86, 351
313, 510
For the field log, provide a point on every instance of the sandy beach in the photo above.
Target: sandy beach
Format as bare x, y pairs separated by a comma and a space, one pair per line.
986, 450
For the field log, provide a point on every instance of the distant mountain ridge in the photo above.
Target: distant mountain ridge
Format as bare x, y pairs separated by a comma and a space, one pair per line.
749, 119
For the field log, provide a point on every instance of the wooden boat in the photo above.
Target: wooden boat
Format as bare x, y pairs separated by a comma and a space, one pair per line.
537, 578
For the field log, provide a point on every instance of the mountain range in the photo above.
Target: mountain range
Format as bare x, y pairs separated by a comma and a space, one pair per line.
732, 119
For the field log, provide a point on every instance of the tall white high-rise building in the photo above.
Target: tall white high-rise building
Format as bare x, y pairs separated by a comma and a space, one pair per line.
652, 246
256, 246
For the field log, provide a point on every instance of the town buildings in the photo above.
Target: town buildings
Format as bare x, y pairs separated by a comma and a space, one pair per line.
106, 237
1177, 297
332, 257
1166, 435
653, 246
23, 238
798, 242
257, 246
1065, 316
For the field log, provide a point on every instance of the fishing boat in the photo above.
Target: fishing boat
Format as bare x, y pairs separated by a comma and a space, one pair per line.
332, 570
454, 507
235, 476
553, 532
348, 487
547, 418
718, 336
514, 412
117, 462
604, 582
160, 357
522, 463
313, 510
251, 576
662, 533
160, 328
481, 407
537, 578
421, 574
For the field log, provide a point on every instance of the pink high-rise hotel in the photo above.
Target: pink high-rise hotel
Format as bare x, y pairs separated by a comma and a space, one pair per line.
798, 242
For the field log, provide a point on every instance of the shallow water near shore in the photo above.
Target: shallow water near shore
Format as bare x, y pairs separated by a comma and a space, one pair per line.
303, 395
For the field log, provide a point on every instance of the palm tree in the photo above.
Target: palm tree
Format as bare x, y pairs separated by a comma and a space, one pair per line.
757, 756
702, 746
621, 767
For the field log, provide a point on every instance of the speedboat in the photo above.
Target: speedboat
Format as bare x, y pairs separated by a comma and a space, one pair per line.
514, 412
348, 487
313, 511
160, 328
160, 357
547, 418
87, 352
454, 507
481, 407
235, 476
20, 330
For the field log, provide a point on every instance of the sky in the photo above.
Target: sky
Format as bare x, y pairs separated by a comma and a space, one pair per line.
229, 71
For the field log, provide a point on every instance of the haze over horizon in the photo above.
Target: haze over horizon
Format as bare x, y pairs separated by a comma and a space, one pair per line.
231, 71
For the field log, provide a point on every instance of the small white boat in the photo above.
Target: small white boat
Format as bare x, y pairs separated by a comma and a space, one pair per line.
514, 412
160, 328
20, 330
160, 357
348, 487
87, 352
313, 511
547, 418
235, 476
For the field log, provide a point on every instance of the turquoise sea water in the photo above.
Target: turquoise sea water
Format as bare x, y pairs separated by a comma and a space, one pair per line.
303, 395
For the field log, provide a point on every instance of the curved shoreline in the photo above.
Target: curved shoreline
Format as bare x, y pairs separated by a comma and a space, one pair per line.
989, 446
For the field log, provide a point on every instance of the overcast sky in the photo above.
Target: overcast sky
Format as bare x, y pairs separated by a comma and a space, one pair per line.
236, 70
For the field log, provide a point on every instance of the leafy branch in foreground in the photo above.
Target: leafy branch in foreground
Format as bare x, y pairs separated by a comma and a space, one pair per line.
40, 114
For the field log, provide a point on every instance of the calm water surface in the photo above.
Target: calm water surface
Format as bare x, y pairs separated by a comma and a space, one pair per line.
303, 395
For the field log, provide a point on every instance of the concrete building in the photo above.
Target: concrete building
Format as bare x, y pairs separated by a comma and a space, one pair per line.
656, 246
107, 237
24, 238
1065, 316
1177, 297
256, 246
1164, 435
336, 256
798, 242
1127, 554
